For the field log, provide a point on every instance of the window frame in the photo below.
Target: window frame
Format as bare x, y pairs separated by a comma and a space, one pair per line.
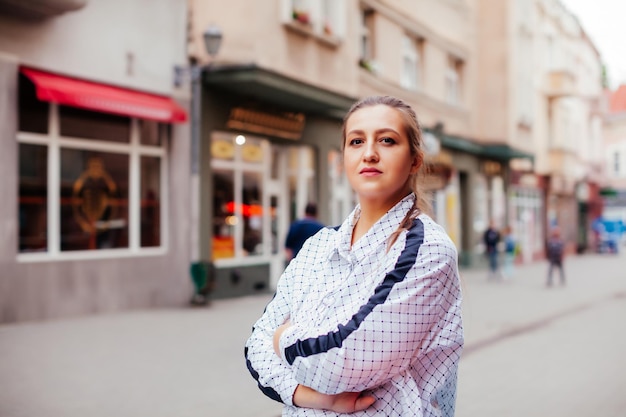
135, 150
410, 77
317, 15
367, 45
238, 167
454, 81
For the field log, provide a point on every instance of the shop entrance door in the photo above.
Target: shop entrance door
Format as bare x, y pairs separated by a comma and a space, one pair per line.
259, 188
290, 187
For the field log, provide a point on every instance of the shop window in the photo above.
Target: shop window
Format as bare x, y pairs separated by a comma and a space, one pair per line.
252, 213
153, 133
105, 188
33, 198
33, 115
276, 244
342, 197
150, 201
225, 218
240, 166
94, 200
79, 123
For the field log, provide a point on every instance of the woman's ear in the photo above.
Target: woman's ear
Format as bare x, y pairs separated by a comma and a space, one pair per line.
416, 164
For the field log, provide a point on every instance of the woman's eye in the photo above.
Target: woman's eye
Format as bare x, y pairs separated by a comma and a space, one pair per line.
356, 141
387, 140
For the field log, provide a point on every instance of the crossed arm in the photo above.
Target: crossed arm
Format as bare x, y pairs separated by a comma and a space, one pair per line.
346, 402
420, 300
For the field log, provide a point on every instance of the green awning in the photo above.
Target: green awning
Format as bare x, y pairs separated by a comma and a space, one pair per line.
269, 86
500, 152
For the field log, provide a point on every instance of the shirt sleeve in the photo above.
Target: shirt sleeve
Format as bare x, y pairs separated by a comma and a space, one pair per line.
404, 320
274, 377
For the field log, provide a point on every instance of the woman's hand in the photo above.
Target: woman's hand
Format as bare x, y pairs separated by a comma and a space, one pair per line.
346, 402
279, 331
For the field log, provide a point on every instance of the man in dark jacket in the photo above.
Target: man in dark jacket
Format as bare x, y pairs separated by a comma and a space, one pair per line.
301, 230
555, 250
491, 238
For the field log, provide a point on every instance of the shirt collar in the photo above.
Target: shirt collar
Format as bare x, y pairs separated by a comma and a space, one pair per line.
375, 237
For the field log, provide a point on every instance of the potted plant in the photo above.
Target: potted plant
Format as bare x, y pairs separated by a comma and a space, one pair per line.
301, 16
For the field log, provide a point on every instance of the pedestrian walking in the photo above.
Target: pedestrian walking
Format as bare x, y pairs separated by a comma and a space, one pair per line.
510, 252
491, 239
555, 252
366, 318
301, 230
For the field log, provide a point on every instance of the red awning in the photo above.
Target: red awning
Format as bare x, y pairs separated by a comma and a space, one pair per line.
104, 98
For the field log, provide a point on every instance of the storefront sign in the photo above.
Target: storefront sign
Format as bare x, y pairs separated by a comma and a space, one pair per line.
285, 125
491, 168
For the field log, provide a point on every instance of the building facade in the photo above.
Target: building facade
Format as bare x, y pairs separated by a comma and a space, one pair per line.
614, 192
118, 195
568, 121
273, 100
541, 93
94, 160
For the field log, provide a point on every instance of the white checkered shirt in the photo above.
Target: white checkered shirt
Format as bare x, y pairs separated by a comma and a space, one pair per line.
364, 319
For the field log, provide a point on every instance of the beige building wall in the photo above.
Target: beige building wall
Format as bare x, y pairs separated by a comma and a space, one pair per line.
113, 42
263, 33
568, 134
493, 78
615, 150
128, 44
445, 31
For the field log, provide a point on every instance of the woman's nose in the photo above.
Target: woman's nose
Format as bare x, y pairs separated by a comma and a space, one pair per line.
370, 152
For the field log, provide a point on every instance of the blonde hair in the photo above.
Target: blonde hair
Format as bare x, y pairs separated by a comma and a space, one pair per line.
414, 133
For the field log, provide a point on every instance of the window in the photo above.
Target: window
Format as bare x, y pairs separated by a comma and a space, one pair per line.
453, 81
323, 17
88, 182
33, 198
240, 168
342, 197
411, 62
524, 75
367, 40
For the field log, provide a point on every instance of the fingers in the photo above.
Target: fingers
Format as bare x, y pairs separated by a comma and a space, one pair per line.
364, 402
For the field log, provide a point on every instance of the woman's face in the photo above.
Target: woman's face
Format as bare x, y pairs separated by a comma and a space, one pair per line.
377, 156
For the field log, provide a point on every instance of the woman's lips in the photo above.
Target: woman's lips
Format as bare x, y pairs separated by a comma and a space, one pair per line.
370, 171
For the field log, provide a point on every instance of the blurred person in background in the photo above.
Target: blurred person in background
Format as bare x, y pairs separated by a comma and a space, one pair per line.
366, 319
301, 230
491, 238
555, 251
510, 252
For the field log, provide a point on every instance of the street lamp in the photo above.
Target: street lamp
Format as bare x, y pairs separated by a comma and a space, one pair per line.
212, 38
200, 269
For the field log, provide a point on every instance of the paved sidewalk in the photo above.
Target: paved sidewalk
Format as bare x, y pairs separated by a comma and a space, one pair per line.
189, 362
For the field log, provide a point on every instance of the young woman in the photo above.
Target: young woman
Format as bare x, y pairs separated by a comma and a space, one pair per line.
366, 319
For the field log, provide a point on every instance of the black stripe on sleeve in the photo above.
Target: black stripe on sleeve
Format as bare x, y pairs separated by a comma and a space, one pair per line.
268, 391
321, 344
